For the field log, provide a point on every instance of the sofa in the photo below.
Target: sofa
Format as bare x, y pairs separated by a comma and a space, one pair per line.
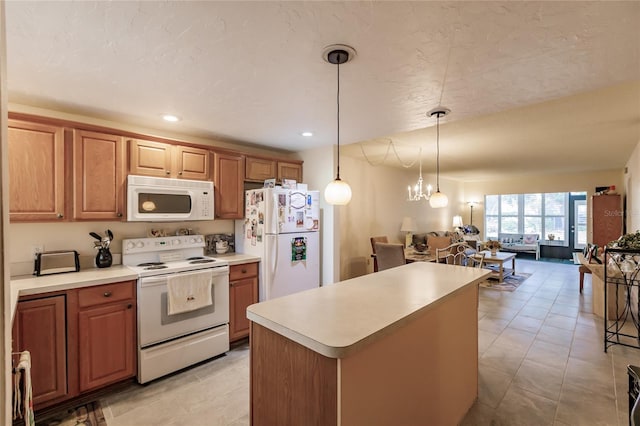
520, 243
437, 239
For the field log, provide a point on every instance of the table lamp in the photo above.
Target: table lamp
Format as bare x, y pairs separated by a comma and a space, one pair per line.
457, 222
409, 227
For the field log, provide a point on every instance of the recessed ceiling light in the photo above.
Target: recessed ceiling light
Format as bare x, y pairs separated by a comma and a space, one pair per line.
307, 134
170, 117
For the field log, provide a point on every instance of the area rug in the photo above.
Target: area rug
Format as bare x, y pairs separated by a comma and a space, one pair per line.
86, 415
510, 283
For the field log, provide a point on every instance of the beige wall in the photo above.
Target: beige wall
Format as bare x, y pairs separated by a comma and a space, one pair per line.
632, 186
318, 171
5, 330
378, 206
577, 182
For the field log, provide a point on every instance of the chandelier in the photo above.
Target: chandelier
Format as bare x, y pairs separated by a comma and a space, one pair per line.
417, 194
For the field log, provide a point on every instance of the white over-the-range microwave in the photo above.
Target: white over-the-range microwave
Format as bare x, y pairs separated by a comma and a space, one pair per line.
152, 199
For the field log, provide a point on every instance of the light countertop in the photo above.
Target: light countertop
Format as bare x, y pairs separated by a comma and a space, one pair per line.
337, 319
29, 284
237, 258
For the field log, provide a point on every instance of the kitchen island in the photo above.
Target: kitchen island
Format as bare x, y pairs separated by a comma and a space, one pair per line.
394, 347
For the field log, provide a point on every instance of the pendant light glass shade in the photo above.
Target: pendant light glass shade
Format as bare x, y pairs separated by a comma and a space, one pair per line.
438, 199
338, 192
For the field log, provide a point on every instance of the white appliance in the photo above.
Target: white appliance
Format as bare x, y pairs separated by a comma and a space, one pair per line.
152, 199
167, 343
281, 226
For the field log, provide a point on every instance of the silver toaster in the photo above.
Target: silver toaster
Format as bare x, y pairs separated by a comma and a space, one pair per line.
56, 262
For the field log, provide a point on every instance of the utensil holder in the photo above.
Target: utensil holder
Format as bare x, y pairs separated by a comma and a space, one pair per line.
104, 258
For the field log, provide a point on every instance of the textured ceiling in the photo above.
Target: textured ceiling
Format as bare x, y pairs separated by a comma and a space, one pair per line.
548, 82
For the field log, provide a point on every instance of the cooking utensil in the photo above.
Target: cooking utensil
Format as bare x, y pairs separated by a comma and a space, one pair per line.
110, 234
96, 236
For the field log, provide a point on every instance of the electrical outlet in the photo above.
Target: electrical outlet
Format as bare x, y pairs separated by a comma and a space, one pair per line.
36, 248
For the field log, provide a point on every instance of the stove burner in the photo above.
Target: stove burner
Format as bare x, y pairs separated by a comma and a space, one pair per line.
201, 261
151, 264
195, 258
156, 266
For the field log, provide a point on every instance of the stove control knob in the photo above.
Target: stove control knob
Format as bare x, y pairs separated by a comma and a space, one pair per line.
192, 240
130, 245
176, 242
140, 244
199, 239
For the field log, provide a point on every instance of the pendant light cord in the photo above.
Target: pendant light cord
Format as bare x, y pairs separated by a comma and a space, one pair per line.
438, 152
338, 102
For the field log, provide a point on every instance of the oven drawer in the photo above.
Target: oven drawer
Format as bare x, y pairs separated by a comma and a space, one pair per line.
238, 272
107, 293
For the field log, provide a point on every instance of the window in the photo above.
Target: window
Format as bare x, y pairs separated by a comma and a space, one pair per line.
541, 214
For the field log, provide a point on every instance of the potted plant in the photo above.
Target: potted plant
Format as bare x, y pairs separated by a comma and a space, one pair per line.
493, 245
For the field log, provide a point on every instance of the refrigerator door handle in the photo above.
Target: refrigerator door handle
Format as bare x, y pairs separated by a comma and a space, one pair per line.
271, 268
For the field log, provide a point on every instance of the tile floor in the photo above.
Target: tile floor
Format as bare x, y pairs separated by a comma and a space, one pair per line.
541, 362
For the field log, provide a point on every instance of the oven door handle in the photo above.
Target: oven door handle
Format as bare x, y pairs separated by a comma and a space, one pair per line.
153, 281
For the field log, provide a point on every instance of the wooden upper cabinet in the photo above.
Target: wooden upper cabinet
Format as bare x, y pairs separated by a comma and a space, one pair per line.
229, 185
191, 162
36, 171
98, 176
150, 158
259, 169
290, 170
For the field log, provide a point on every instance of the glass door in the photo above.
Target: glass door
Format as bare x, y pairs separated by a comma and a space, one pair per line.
579, 226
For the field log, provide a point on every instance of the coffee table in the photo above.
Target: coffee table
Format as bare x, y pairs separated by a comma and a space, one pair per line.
496, 264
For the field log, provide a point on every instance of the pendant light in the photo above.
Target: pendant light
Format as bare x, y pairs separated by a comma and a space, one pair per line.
438, 199
338, 192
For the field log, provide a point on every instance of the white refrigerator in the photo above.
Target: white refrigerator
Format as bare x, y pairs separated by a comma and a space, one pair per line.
282, 227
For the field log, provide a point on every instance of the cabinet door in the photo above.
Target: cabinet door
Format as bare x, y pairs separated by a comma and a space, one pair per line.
229, 185
289, 170
259, 169
607, 218
36, 170
149, 158
106, 337
40, 328
192, 163
98, 176
242, 293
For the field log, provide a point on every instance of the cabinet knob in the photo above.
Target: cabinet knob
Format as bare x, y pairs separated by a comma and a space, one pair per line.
129, 306
244, 271
119, 214
168, 172
59, 215
230, 284
107, 294
180, 173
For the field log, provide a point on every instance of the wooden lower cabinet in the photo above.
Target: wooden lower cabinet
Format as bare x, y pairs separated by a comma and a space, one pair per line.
243, 291
80, 340
106, 340
40, 328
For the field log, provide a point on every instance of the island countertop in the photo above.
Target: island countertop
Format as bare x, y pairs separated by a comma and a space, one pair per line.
337, 319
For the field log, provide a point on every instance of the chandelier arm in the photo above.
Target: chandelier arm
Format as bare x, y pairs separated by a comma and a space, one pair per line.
406, 166
371, 163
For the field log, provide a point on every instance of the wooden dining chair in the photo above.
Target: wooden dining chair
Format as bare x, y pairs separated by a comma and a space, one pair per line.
374, 240
389, 255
